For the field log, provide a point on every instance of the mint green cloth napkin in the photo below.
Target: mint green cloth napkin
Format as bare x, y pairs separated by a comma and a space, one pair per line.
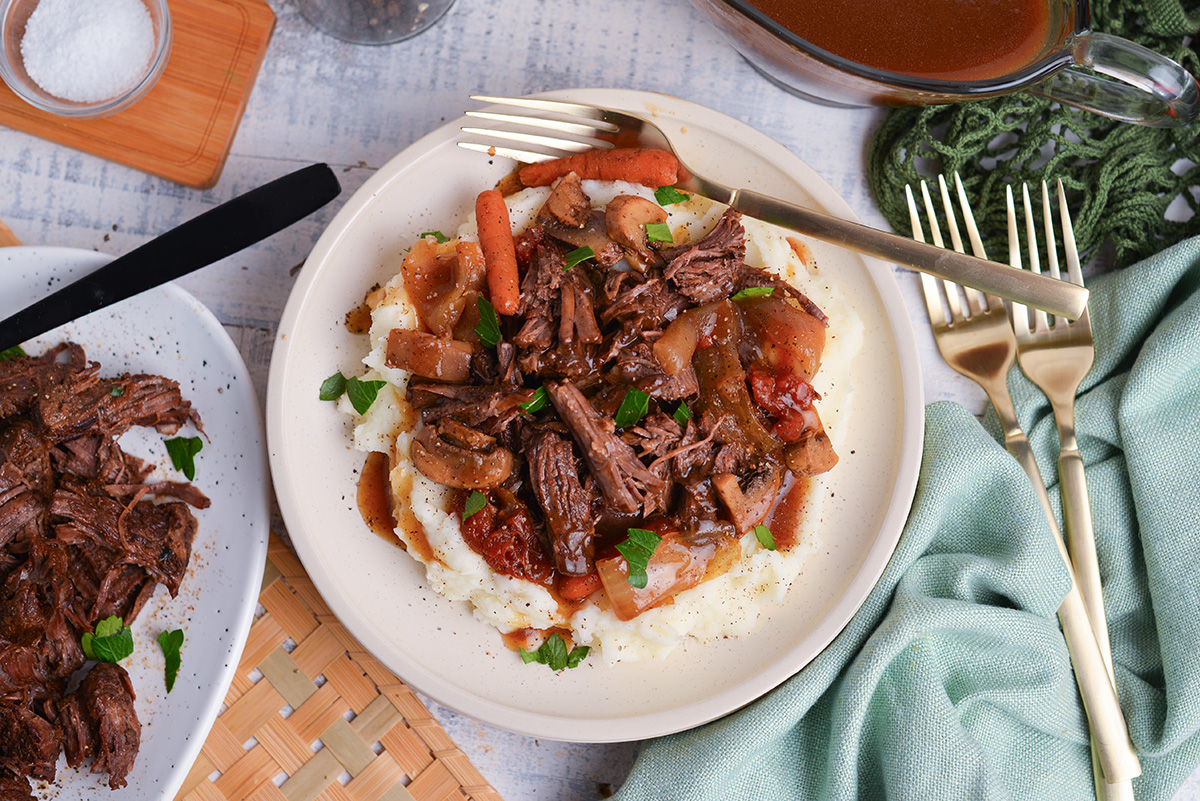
953, 681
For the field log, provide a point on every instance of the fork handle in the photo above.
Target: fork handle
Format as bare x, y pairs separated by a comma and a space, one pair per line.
1111, 745
1022, 286
1081, 542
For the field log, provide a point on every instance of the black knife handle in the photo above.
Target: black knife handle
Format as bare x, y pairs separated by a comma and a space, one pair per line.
215, 234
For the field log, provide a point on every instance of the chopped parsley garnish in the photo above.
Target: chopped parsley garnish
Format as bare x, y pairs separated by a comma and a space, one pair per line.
475, 501
182, 451
116, 392
362, 393
438, 235
333, 387
537, 402
633, 407
171, 642
15, 352
682, 414
579, 254
764, 537
659, 232
637, 550
489, 324
753, 292
553, 653
112, 641
669, 195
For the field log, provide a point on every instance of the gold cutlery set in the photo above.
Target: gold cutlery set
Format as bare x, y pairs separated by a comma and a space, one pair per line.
978, 340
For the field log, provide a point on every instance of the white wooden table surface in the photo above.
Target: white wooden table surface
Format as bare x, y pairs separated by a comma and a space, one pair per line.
354, 107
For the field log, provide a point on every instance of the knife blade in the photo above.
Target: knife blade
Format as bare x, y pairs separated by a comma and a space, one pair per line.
202, 240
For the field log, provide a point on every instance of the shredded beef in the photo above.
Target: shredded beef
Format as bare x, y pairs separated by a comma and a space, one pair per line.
554, 476
707, 271
83, 535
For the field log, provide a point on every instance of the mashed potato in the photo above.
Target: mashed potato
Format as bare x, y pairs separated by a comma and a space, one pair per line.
728, 605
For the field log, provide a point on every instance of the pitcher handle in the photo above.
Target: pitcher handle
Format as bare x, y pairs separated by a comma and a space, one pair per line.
1129, 83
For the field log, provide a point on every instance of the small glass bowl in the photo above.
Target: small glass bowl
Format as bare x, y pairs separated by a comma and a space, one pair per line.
13, 16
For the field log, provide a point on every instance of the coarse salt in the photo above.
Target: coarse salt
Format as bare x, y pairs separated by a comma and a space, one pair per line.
86, 51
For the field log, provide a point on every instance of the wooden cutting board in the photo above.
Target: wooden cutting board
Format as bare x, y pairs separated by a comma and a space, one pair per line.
183, 128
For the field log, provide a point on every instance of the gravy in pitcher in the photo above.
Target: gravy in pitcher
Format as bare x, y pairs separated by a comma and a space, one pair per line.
963, 40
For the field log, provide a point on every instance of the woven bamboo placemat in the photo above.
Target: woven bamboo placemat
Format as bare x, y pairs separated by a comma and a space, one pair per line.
311, 716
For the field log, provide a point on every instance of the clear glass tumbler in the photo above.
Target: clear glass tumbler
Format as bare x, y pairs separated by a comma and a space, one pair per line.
373, 22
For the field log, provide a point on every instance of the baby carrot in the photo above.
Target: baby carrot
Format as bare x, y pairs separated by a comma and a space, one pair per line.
499, 251
575, 588
635, 165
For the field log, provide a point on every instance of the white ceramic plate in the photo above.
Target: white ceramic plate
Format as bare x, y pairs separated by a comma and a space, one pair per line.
168, 332
435, 644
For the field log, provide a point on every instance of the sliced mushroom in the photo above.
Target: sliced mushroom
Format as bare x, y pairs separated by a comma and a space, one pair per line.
567, 202
625, 219
592, 235
455, 455
812, 455
750, 506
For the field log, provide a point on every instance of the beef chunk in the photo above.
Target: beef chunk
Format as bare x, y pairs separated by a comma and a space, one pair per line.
99, 719
29, 743
567, 506
623, 479
15, 787
707, 271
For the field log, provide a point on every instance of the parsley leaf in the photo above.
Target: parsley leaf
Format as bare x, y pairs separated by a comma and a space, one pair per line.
764, 537
333, 387
633, 407
637, 550
659, 232
171, 642
753, 292
182, 451
116, 392
537, 402
579, 254
362, 393
489, 324
475, 501
682, 414
553, 653
669, 195
438, 235
15, 352
111, 642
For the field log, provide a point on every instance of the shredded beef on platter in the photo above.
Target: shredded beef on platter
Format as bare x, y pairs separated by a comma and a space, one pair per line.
665, 369
84, 535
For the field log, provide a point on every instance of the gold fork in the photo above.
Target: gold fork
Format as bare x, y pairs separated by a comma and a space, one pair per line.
1056, 358
592, 127
981, 346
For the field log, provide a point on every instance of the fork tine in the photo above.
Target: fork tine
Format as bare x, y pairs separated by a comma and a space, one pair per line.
553, 106
1040, 322
956, 312
1048, 224
933, 298
969, 219
568, 145
523, 156
973, 297
1019, 311
1074, 271
563, 126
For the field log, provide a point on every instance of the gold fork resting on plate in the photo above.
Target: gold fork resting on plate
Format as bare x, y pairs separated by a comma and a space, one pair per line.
591, 127
981, 346
1056, 358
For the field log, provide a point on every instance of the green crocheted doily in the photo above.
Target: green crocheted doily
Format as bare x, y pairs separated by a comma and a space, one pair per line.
1121, 178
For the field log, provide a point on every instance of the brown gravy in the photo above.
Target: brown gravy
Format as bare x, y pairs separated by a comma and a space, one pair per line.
964, 40
375, 504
